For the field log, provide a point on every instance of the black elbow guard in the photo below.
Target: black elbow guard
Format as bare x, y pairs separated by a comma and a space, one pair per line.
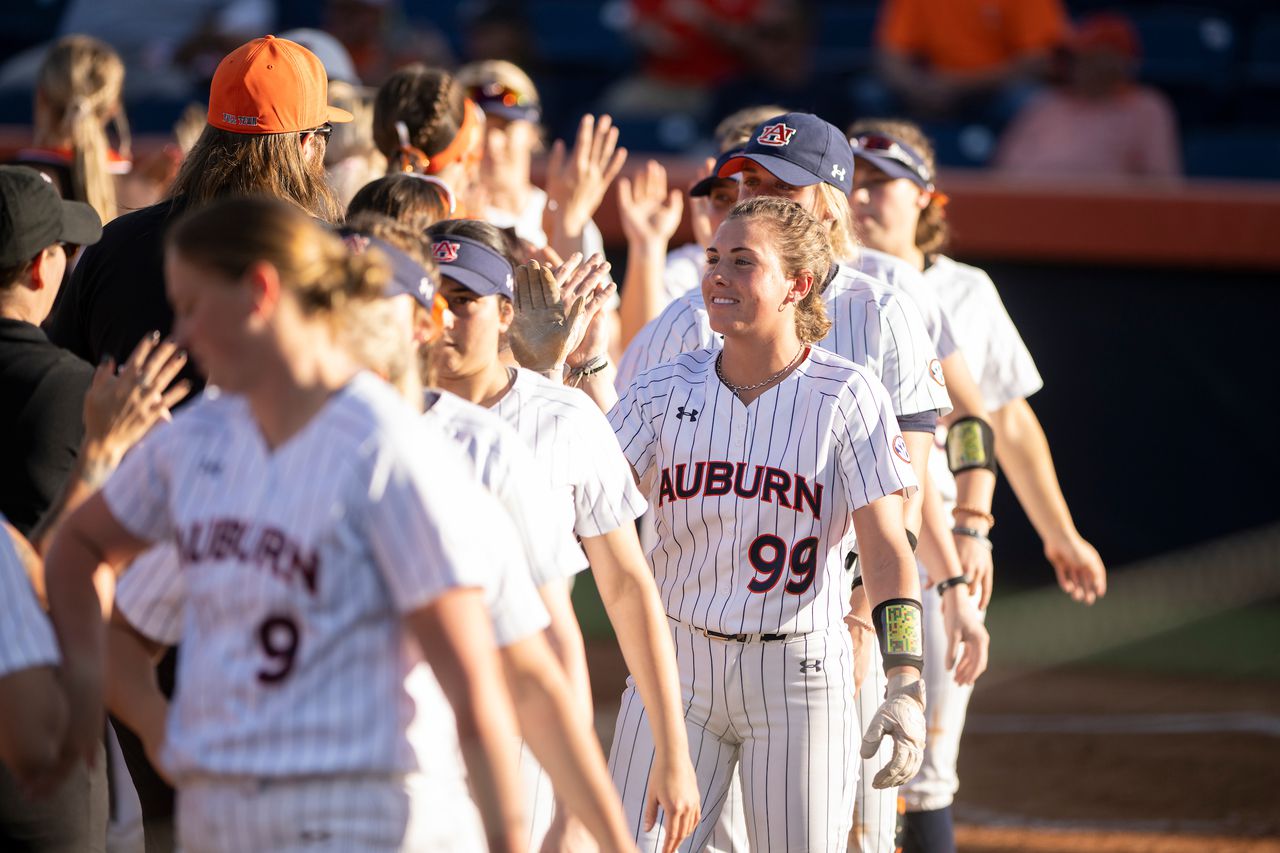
971, 444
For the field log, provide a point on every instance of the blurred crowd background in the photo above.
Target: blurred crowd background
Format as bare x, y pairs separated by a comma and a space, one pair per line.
1022, 85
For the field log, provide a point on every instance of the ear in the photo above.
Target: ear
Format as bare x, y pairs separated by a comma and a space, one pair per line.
506, 314
38, 278
801, 284
265, 289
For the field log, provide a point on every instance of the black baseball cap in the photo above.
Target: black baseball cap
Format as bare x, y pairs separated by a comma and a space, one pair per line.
707, 184
799, 148
408, 277
473, 265
34, 217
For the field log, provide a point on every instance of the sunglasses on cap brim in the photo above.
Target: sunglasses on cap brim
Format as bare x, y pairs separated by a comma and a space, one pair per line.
875, 145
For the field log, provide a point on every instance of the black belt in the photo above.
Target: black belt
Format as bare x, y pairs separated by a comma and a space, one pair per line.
742, 638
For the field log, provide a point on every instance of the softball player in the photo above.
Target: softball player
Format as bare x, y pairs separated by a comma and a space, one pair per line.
592, 493
900, 210
762, 459
315, 540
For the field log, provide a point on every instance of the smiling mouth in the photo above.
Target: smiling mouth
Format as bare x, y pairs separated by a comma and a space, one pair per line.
723, 300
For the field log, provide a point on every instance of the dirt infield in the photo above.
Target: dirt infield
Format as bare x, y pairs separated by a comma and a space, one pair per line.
1102, 760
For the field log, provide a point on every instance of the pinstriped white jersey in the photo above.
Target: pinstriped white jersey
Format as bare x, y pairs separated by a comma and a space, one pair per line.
26, 637
299, 563
999, 360
753, 504
592, 490
872, 324
506, 466
896, 272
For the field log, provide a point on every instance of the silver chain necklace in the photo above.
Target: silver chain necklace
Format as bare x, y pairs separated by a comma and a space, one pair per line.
738, 389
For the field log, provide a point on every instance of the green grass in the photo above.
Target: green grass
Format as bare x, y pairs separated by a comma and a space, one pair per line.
1243, 643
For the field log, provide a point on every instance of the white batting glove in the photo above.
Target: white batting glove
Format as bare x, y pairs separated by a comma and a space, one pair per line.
901, 717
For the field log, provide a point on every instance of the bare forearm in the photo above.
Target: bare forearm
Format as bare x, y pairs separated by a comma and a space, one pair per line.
133, 694
600, 388
937, 550
93, 466
631, 600
1023, 453
565, 637
642, 289
919, 445
74, 607
563, 742
975, 488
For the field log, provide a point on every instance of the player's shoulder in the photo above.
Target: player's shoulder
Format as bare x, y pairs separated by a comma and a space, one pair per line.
852, 283
691, 367
954, 281
468, 421
827, 367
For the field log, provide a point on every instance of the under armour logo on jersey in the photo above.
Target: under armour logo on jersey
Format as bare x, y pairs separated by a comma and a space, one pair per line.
838, 172
811, 666
776, 135
682, 413
212, 467
445, 251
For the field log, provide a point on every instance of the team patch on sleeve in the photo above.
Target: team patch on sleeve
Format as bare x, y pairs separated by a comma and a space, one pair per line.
902, 630
900, 448
935, 371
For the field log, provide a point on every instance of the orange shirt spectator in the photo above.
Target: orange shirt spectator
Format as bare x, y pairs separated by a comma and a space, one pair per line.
970, 35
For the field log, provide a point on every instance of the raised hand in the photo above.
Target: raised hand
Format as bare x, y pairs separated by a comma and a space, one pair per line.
121, 406
547, 327
577, 182
650, 212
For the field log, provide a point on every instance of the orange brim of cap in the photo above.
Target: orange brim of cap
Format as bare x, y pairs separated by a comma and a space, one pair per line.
338, 115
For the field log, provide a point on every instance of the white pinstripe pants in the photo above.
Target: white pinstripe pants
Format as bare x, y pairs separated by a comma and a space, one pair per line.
779, 715
340, 814
875, 811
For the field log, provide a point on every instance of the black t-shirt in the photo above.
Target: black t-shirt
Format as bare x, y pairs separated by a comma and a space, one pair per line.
116, 295
42, 392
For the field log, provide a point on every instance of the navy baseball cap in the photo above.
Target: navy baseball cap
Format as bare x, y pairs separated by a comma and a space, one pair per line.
473, 265
408, 277
798, 148
707, 184
894, 157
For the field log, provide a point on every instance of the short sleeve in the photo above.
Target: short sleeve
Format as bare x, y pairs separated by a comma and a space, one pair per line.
910, 369
151, 594
516, 609
551, 550
874, 461
679, 328
1010, 372
426, 538
633, 430
137, 493
26, 637
936, 321
605, 494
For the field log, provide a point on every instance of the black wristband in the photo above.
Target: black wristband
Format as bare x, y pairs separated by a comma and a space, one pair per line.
973, 534
899, 628
945, 585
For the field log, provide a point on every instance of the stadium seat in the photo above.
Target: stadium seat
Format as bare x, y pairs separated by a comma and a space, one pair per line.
965, 145
1232, 154
1187, 47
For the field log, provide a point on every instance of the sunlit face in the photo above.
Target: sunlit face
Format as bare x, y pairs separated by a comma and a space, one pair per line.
212, 320
723, 196
885, 209
471, 333
759, 181
508, 147
744, 286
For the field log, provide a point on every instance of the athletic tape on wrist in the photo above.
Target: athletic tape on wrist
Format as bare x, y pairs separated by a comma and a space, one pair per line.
971, 444
899, 628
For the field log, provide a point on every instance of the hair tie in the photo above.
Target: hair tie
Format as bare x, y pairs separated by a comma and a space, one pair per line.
412, 160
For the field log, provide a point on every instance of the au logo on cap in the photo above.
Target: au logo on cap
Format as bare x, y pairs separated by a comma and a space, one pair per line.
776, 134
445, 251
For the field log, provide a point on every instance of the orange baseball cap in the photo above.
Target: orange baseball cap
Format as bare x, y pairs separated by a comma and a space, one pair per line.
271, 85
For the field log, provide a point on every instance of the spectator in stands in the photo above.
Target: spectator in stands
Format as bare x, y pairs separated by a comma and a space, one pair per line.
964, 58
1100, 122
77, 94
268, 120
689, 48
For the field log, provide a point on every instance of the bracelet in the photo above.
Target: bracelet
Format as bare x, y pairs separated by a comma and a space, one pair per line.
945, 585
973, 534
594, 365
961, 509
